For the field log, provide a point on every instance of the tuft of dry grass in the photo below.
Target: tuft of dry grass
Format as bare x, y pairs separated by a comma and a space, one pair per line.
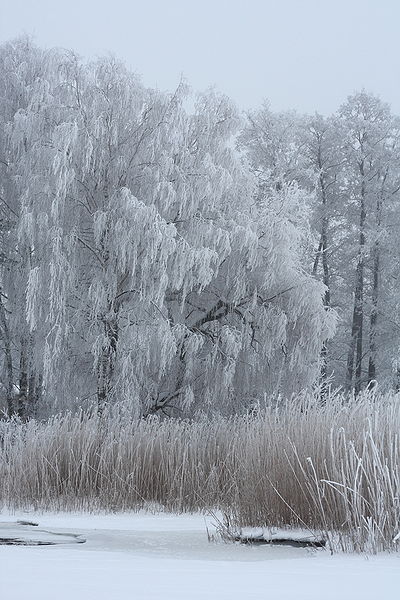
333, 468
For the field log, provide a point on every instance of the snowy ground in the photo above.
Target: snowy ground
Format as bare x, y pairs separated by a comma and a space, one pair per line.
168, 557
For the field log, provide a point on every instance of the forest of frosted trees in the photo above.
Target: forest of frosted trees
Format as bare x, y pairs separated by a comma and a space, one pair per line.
182, 256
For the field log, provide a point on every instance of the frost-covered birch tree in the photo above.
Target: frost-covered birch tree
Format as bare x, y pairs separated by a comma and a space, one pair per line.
142, 260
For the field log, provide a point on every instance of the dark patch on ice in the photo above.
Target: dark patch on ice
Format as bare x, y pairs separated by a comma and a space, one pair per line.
18, 542
282, 541
21, 534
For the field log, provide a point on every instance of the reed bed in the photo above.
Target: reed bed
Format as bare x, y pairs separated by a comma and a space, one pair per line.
332, 467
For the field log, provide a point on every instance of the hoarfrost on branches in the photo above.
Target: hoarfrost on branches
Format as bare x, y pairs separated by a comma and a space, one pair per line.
149, 263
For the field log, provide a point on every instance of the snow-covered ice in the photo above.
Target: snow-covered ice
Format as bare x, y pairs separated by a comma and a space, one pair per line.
163, 556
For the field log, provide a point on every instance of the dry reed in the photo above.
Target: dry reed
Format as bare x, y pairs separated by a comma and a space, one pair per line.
333, 467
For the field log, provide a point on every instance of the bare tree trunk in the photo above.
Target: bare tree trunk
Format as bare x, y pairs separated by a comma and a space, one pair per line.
8, 355
106, 368
376, 251
327, 296
107, 361
323, 254
34, 394
317, 257
356, 340
23, 380
374, 316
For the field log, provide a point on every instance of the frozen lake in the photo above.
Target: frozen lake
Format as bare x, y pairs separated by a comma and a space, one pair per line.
169, 557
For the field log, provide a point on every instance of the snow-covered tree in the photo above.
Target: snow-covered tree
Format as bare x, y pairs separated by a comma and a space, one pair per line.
142, 259
348, 163
370, 182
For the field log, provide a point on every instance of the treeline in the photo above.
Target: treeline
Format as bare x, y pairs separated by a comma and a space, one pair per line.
351, 162
187, 262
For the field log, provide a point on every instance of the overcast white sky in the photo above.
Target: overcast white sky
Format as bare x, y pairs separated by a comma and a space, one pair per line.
303, 54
